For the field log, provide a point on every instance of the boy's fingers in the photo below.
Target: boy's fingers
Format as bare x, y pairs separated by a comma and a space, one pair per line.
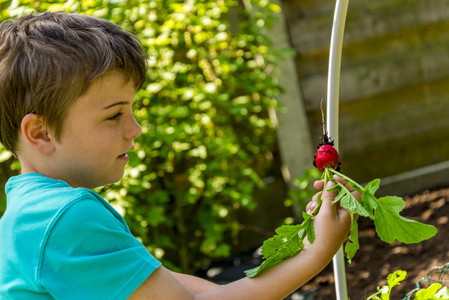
319, 184
343, 182
328, 196
312, 204
335, 210
348, 187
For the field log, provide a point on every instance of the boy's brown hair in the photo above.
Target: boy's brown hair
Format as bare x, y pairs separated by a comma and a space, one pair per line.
49, 60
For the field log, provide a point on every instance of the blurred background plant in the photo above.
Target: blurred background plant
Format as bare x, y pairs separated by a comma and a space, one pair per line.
206, 114
303, 189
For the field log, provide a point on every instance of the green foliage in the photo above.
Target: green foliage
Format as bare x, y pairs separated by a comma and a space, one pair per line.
390, 226
8, 167
394, 279
287, 242
435, 291
386, 216
206, 132
303, 189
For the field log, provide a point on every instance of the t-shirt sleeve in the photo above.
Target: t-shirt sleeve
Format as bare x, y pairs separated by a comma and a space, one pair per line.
90, 254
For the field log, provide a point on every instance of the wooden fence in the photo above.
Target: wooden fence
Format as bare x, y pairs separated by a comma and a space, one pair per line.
394, 95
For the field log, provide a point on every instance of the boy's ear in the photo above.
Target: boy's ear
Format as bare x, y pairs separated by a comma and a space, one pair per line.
35, 133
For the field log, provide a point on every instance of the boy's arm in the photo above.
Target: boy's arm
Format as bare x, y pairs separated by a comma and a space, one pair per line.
331, 228
194, 284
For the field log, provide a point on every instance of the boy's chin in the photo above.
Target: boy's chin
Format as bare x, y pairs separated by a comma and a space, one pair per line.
112, 181
108, 181
117, 178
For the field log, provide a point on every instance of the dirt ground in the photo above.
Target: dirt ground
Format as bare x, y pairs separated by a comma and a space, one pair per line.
376, 259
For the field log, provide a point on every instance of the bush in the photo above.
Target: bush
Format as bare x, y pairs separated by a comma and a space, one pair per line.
206, 132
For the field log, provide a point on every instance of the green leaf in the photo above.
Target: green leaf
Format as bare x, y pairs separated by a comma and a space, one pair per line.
308, 227
428, 293
393, 280
372, 187
391, 226
394, 203
348, 201
253, 272
285, 239
285, 244
352, 245
396, 278
368, 199
443, 293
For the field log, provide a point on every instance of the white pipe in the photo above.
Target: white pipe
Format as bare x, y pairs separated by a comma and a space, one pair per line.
333, 89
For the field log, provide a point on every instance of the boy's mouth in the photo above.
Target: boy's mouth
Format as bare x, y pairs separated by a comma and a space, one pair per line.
124, 155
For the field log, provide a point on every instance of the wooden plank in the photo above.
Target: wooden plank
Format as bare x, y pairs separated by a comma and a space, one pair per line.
295, 9
394, 101
375, 77
394, 132
391, 45
365, 19
388, 160
401, 110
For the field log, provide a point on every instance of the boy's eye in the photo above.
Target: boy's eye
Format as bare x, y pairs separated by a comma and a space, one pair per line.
116, 116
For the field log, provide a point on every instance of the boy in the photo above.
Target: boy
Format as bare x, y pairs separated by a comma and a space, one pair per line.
67, 84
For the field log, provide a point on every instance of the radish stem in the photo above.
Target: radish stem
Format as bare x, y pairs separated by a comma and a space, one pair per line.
349, 180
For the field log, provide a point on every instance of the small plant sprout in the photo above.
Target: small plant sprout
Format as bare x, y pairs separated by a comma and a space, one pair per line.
435, 291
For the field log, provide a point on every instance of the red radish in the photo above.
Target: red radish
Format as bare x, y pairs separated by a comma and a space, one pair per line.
326, 157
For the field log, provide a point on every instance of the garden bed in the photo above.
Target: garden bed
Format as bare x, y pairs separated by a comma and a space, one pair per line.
376, 259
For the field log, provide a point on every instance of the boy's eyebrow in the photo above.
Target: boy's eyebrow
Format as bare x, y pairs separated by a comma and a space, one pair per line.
117, 104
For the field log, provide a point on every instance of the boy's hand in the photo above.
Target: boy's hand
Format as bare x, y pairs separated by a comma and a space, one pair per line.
332, 223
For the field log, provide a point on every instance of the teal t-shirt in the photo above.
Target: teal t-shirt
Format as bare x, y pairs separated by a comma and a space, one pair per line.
59, 242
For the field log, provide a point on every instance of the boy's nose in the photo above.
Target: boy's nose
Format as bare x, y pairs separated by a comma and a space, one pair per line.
134, 129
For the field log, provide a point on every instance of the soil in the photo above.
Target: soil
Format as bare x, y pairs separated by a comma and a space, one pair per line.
376, 259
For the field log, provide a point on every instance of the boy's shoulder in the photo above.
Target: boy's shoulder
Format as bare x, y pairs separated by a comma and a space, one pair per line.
39, 190
35, 204
38, 206
39, 199
52, 232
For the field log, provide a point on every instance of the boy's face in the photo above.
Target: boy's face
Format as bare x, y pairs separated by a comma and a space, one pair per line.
98, 132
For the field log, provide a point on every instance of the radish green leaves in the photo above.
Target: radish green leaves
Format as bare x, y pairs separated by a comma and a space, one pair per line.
385, 212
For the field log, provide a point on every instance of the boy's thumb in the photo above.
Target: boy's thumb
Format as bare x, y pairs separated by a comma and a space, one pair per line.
328, 196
